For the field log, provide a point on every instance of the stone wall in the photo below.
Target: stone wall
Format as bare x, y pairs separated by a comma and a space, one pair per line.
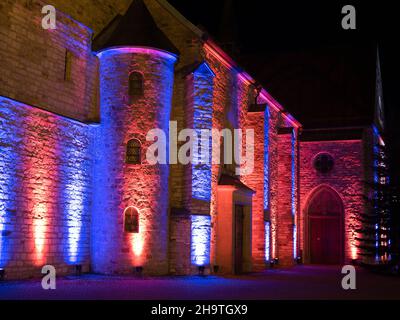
119, 185
346, 178
179, 244
153, 190
285, 217
32, 61
256, 121
92, 13
189, 46
224, 92
45, 191
199, 112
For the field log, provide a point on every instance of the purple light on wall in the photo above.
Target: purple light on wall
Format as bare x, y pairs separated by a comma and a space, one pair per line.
140, 50
200, 239
202, 92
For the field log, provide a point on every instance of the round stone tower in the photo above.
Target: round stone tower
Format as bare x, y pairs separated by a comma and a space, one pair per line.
130, 209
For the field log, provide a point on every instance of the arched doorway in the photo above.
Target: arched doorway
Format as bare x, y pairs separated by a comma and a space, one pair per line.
325, 227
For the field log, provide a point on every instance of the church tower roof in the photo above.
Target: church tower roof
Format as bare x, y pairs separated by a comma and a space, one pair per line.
135, 28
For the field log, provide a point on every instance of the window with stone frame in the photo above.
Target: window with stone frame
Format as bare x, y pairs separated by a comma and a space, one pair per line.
68, 65
136, 86
133, 152
131, 220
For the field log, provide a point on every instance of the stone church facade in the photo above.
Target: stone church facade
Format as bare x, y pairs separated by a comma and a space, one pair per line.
76, 189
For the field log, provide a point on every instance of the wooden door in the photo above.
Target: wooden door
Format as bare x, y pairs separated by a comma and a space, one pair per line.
316, 241
325, 240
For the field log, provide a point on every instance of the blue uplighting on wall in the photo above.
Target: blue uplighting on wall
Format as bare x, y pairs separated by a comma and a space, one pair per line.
266, 159
294, 241
6, 178
69, 164
294, 193
267, 227
201, 237
267, 224
105, 140
9, 183
76, 193
203, 79
294, 173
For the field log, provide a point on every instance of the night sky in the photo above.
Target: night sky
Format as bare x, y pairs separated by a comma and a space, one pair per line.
262, 29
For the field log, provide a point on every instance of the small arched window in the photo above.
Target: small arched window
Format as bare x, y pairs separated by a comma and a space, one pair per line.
131, 220
135, 85
133, 152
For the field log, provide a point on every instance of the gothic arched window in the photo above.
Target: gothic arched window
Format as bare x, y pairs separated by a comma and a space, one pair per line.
133, 152
136, 89
131, 220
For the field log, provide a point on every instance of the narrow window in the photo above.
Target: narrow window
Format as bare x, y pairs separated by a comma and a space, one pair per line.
135, 85
67, 65
131, 220
133, 152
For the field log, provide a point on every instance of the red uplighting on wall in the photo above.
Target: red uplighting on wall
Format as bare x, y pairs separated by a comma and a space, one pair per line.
137, 246
39, 188
39, 232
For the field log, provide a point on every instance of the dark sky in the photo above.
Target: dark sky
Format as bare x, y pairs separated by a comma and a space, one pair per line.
264, 28
281, 24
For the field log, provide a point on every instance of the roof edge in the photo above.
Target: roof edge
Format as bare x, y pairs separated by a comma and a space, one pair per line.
222, 56
138, 49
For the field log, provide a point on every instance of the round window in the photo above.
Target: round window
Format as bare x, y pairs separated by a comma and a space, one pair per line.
323, 163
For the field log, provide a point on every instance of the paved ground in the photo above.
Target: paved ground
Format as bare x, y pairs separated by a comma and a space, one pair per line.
300, 282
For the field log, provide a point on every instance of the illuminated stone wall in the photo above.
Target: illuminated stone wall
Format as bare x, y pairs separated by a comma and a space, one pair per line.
200, 239
119, 185
346, 178
46, 160
180, 244
32, 61
199, 113
256, 180
225, 113
45, 191
284, 218
189, 47
94, 14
